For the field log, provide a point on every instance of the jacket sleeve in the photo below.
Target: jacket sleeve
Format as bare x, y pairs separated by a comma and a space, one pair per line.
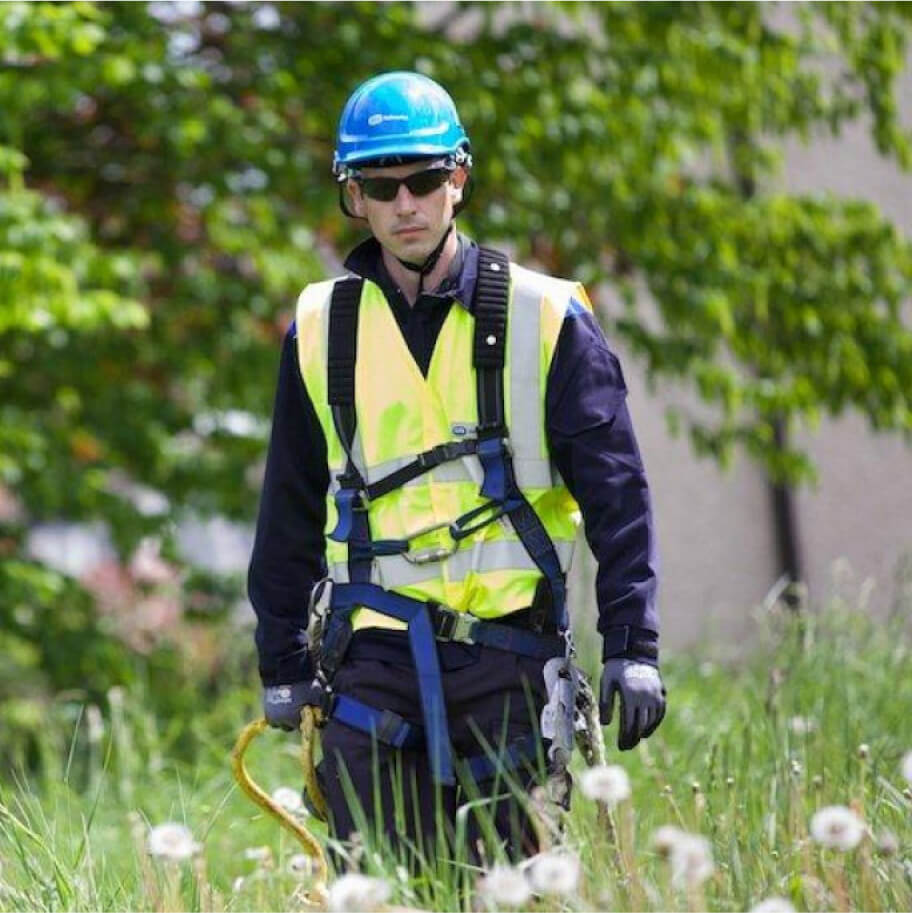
591, 439
289, 548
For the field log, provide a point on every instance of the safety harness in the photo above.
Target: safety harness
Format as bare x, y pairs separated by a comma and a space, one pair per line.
428, 621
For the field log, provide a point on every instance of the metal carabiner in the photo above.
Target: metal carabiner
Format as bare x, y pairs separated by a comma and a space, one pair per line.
430, 554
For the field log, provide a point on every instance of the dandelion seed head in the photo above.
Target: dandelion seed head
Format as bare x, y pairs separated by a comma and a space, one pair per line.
288, 798
773, 904
864, 751
691, 861
695, 786
555, 872
171, 841
353, 893
887, 844
838, 827
301, 865
606, 783
795, 768
907, 766
729, 781
665, 838
505, 886
817, 781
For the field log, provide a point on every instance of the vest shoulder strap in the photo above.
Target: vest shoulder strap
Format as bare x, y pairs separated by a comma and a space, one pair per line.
341, 356
492, 295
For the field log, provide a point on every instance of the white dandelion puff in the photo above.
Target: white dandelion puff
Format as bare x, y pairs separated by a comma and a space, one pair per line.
237, 885
287, 798
666, 838
172, 841
554, 872
838, 827
354, 893
773, 905
301, 865
505, 886
606, 783
907, 766
887, 843
691, 861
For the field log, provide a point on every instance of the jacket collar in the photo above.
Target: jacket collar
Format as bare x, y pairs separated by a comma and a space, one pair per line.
366, 261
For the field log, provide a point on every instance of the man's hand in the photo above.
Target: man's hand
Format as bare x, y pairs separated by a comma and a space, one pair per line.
642, 696
282, 704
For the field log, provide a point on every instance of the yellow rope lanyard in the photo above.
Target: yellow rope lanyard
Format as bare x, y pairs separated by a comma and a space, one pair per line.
309, 721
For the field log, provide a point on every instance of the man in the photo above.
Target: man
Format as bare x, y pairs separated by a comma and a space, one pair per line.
442, 419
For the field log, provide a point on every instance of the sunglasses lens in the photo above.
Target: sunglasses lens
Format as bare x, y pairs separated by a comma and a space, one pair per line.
425, 182
419, 185
383, 189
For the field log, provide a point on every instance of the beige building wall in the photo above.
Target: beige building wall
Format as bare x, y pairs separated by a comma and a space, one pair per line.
716, 533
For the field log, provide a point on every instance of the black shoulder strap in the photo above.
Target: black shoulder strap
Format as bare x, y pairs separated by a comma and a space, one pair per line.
492, 295
492, 292
343, 350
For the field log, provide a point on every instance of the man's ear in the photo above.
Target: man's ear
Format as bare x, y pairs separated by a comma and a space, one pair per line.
457, 182
355, 198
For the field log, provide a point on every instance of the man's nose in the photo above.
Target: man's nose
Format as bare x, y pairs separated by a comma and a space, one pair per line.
405, 201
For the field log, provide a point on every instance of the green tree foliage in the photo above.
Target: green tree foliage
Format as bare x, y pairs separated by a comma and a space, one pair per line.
165, 193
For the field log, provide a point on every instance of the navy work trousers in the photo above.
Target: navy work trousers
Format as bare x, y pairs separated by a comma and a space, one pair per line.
493, 698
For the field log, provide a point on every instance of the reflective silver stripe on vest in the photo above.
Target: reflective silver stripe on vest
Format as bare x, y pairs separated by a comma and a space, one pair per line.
391, 571
527, 413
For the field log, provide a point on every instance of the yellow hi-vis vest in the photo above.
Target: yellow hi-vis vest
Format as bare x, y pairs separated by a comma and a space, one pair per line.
401, 413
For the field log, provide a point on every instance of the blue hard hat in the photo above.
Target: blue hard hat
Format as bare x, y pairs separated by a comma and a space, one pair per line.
398, 116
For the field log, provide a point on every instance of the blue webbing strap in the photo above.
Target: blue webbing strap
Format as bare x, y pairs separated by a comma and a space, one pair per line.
394, 730
491, 455
385, 725
424, 654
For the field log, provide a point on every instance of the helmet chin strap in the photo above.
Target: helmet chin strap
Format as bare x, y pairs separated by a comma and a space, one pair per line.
430, 261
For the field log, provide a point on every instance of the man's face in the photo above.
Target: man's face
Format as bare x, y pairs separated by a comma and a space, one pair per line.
408, 226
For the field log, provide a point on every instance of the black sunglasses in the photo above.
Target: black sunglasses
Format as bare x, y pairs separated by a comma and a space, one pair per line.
419, 184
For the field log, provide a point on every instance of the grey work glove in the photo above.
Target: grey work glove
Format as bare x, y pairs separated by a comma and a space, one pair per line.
642, 695
282, 704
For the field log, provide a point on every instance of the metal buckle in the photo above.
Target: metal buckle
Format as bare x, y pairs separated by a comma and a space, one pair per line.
327, 705
442, 453
455, 626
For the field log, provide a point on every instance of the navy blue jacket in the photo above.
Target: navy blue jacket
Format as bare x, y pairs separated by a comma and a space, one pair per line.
590, 438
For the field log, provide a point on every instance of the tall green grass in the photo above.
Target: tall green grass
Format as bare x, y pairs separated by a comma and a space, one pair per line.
817, 712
